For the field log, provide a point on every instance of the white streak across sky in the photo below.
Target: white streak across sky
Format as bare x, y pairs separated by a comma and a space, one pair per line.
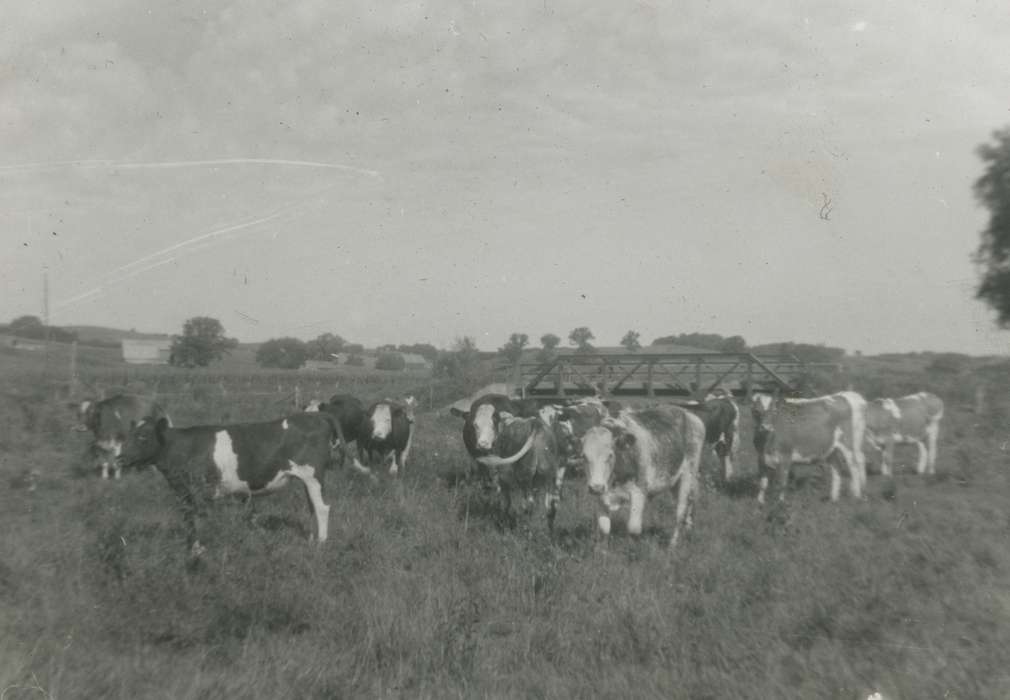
190, 245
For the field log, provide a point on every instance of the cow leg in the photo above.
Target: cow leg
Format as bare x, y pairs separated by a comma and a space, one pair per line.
852, 464
405, 453
920, 467
551, 500
785, 470
636, 512
887, 457
932, 435
603, 524
314, 491
724, 452
686, 491
394, 458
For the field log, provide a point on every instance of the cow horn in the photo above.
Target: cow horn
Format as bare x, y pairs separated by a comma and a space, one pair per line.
495, 461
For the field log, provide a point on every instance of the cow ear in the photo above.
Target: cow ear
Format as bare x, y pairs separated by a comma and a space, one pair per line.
505, 416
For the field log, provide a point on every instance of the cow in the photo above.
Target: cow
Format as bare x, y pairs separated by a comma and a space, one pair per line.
533, 462
818, 430
910, 419
640, 453
349, 412
209, 461
388, 428
721, 417
110, 421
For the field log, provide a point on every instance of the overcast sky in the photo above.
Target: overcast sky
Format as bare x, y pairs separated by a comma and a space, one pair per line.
440, 169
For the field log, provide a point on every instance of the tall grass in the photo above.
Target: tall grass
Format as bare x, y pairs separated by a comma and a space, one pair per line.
420, 593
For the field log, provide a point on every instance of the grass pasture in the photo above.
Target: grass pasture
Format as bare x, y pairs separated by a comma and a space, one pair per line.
419, 593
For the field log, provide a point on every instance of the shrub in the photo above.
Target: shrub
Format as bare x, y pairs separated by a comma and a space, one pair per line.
390, 361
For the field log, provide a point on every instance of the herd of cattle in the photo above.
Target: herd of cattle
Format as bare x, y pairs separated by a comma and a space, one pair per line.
625, 453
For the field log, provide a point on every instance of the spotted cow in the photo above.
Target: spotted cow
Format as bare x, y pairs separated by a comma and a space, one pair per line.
640, 453
533, 462
110, 421
826, 429
206, 462
387, 429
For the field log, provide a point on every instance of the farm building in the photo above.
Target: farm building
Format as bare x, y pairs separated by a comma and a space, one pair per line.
28, 344
147, 352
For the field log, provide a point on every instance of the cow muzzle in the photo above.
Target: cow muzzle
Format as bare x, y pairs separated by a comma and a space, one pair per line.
597, 489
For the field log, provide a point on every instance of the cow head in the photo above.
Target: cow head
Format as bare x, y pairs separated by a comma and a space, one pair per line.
485, 425
382, 421
409, 407
602, 448
85, 412
145, 440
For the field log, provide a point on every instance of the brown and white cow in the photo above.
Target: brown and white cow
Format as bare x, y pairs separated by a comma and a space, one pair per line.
819, 430
388, 429
640, 453
910, 419
206, 462
482, 426
532, 461
110, 421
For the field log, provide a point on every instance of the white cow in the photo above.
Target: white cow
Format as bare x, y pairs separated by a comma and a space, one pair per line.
910, 419
819, 430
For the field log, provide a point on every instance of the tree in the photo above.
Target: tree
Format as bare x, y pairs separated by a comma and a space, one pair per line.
390, 360
462, 365
425, 350
513, 349
27, 327
735, 343
283, 353
325, 346
630, 341
992, 189
548, 344
202, 341
580, 337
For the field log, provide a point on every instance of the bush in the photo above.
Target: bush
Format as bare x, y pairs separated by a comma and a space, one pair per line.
390, 361
284, 353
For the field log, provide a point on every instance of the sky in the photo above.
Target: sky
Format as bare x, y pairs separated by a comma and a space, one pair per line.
421, 171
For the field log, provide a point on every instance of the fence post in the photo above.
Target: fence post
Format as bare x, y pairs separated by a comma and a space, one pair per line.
73, 370
298, 397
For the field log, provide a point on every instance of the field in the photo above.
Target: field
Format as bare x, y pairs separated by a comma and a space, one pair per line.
420, 593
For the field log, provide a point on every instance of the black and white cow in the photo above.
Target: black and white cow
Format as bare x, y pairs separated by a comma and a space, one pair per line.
824, 430
206, 462
641, 453
388, 430
721, 417
530, 462
909, 419
110, 421
349, 412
